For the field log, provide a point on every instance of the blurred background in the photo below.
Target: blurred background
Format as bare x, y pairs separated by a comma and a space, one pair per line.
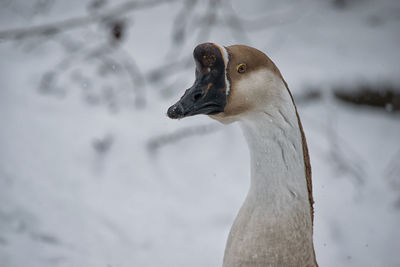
93, 173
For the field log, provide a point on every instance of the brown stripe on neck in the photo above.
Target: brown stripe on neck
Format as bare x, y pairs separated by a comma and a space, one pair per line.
307, 163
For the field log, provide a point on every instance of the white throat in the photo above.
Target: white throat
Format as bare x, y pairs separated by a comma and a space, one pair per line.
276, 154
273, 227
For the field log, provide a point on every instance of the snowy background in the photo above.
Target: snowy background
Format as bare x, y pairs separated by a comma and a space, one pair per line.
93, 173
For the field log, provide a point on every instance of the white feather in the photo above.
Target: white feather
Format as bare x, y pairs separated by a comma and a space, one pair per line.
226, 60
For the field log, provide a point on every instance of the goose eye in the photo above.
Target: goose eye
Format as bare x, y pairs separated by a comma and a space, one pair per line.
241, 68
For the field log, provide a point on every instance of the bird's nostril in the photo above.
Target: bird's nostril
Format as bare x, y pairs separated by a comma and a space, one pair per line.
197, 96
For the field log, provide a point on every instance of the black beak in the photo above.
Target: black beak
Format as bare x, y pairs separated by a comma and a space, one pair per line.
199, 99
207, 95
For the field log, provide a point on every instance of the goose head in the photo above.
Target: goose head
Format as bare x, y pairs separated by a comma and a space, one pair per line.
231, 83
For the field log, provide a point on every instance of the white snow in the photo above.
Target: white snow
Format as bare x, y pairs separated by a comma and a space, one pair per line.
79, 186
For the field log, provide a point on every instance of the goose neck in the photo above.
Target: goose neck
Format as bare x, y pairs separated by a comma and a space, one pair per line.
276, 156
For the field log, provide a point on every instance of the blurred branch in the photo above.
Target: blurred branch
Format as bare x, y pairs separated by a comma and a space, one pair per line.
113, 60
158, 141
235, 23
393, 169
159, 73
180, 24
343, 158
209, 18
263, 23
308, 96
186, 22
344, 161
392, 173
137, 78
68, 24
381, 96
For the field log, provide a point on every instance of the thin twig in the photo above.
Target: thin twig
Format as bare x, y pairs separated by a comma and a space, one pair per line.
158, 141
68, 24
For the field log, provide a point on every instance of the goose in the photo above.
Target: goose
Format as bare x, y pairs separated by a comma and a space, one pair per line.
238, 83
